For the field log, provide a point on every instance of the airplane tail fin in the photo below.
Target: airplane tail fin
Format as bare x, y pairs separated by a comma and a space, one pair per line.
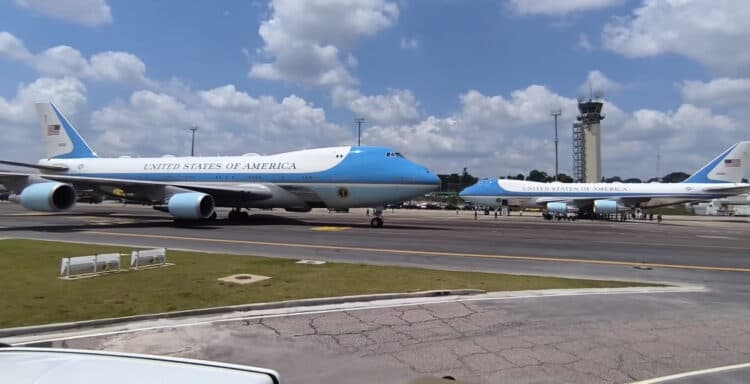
729, 167
61, 140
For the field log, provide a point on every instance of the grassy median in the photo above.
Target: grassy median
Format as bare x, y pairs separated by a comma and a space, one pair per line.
31, 293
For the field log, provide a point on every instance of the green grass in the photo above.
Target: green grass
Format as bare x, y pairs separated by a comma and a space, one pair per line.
31, 293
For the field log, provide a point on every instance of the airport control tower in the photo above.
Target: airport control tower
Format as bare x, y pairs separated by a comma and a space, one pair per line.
587, 132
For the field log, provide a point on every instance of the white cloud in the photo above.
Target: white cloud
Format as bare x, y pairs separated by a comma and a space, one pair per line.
721, 91
68, 93
63, 60
19, 119
685, 128
60, 60
398, 106
117, 67
686, 138
491, 135
409, 44
559, 7
708, 32
90, 13
12, 47
230, 121
597, 82
305, 40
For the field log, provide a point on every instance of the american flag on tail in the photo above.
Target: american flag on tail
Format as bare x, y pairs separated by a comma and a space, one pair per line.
732, 162
53, 129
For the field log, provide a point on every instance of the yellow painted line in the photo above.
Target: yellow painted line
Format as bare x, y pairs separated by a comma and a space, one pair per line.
426, 253
330, 229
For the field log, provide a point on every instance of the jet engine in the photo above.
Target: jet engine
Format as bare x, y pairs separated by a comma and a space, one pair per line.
49, 197
191, 206
608, 206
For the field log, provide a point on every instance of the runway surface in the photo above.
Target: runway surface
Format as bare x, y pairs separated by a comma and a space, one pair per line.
590, 338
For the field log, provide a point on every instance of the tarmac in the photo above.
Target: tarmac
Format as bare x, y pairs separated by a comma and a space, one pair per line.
537, 338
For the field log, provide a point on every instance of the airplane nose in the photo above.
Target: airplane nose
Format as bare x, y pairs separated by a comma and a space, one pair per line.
430, 178
484, 187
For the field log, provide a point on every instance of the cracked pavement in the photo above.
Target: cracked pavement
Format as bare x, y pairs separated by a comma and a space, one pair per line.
572, 339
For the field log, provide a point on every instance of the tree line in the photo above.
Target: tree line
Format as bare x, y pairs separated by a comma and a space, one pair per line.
541, 176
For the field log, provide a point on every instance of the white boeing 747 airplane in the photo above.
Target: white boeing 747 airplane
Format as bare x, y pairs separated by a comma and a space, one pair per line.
720, 178
189, 188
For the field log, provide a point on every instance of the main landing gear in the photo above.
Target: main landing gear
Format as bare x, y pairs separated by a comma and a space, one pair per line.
377, 221
237, 214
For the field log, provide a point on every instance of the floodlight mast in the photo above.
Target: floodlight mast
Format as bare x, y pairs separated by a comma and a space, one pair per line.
192, 142
359, 121
556, 114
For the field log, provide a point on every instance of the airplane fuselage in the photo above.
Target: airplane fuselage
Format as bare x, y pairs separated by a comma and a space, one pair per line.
331, 177
495, 193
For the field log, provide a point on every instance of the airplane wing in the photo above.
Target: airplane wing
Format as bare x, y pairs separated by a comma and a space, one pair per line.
244, 192
35, 166
558, 199
14, 181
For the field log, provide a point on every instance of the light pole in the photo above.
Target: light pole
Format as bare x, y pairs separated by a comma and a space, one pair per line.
359, 121
556, 114
192, 143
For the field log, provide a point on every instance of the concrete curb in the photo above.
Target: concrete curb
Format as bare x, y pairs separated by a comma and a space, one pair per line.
34, 329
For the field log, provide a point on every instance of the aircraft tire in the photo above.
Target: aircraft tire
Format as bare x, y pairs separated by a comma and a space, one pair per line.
376, 222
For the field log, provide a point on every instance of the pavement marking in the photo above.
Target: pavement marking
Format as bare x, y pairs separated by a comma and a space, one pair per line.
330, 229
715, 237
692, 373
635, 242
358, 306
427, 253
28, 214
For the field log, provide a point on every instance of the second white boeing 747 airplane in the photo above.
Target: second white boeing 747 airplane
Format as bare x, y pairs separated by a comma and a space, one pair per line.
720, 178
189, 188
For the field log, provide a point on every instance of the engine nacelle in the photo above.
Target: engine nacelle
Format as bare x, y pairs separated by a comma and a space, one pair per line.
608, 206
191, 206
558, 207
48, 197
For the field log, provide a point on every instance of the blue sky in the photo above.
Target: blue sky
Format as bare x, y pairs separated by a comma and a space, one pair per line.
451, 84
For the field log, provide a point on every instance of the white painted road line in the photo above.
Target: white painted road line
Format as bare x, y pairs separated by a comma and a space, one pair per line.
692, 373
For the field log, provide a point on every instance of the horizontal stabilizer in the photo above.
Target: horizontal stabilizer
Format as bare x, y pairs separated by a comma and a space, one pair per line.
730, 189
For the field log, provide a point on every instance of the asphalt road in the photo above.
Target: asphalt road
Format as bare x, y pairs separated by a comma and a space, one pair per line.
581, 338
